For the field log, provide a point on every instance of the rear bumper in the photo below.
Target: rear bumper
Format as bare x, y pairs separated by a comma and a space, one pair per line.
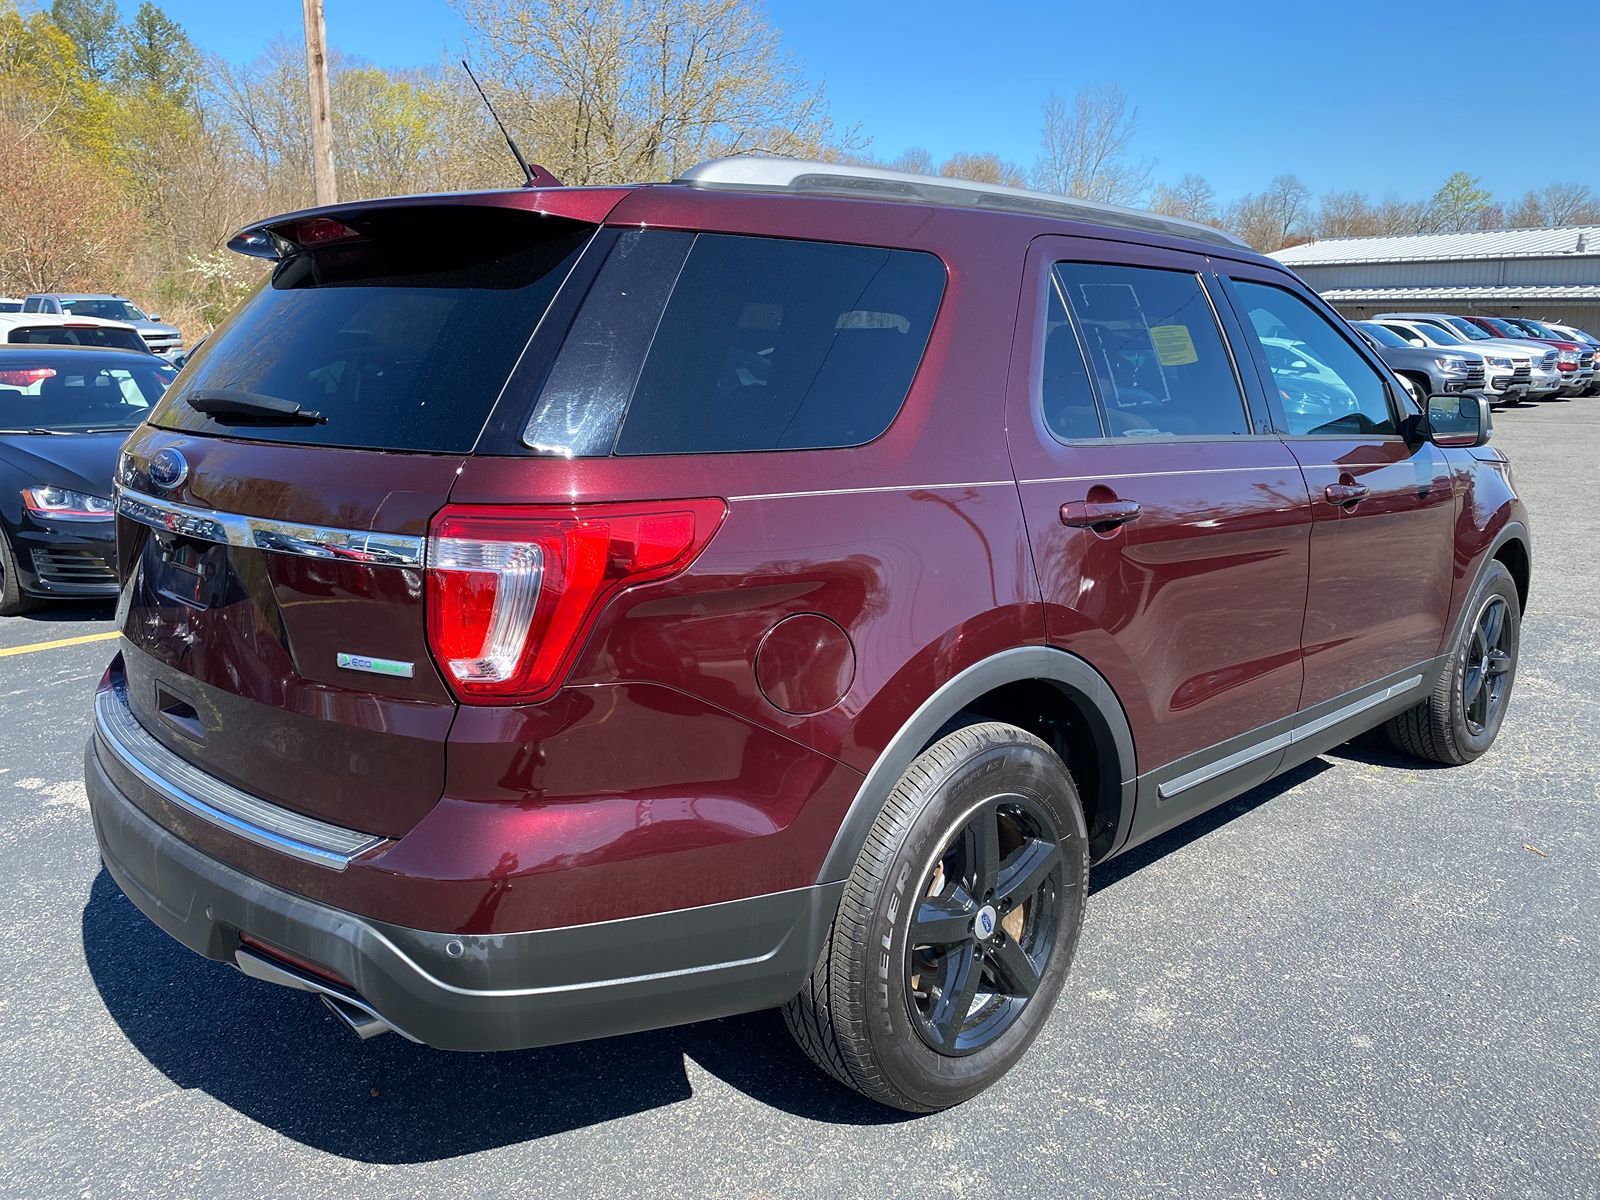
463, 991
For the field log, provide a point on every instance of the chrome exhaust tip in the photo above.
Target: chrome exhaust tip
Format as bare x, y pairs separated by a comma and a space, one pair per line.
362, 1023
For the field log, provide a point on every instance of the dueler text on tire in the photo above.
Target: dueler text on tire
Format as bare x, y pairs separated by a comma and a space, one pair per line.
957, 926
1459, 721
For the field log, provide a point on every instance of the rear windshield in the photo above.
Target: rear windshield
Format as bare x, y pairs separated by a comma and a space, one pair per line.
77, 335
720, 342
71, 391
400, 337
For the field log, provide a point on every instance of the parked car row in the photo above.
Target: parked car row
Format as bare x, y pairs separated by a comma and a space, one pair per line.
1508, 359
88, 319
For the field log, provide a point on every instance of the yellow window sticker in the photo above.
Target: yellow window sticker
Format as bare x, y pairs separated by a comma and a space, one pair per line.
1174, 346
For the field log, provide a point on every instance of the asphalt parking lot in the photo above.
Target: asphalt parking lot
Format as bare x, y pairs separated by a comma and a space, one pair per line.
1365, 979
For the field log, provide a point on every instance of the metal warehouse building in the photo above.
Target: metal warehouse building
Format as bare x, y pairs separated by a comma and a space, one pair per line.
1547, 274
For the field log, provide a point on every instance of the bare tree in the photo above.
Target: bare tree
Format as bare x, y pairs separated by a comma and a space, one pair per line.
1346, 214
1086, 145
983, 168
1568, 204
613, 90
916, 161
1275, 218
1191, 198
1396, 216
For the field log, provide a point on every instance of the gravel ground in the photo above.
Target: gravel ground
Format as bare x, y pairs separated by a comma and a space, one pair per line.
1365, 979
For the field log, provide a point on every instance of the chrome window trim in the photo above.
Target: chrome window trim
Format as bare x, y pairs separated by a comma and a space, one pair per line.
182, 783
278, 537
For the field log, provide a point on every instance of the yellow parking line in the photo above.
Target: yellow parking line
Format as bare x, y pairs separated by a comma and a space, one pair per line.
56, 645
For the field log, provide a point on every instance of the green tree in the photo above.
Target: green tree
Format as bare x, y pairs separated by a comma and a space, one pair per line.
157, 58
93, 26
1457, 203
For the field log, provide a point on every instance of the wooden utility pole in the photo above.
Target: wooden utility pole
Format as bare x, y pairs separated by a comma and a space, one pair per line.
321, 105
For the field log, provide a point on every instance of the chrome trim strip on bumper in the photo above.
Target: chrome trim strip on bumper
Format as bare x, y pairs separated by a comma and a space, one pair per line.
185, 785
279, 537
1279, 741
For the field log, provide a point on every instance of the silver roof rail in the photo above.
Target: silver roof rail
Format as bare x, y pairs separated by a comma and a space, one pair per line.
758, 173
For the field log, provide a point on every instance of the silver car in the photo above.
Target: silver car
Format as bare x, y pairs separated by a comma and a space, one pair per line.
162, 339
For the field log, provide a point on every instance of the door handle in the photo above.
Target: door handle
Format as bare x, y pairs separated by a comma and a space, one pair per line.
1345, 493
1099, 515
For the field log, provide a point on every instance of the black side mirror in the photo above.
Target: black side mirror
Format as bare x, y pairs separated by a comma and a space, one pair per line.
1459, 419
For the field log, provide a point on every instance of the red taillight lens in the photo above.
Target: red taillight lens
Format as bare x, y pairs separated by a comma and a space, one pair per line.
26, 376
513, 591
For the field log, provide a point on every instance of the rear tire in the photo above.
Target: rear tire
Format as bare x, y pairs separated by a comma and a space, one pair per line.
1460, 720
13, 600
942, 966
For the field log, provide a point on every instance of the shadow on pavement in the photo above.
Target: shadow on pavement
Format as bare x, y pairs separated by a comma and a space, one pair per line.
1193, 830
66, 612
280, 1059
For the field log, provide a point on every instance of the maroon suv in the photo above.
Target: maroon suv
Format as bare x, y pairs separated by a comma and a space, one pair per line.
560, 612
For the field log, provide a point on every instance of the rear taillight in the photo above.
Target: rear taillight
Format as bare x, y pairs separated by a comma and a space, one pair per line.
513, 591
26, 376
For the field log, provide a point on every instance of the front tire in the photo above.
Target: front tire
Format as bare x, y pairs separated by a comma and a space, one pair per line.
1460, 720
13, 600
957, 925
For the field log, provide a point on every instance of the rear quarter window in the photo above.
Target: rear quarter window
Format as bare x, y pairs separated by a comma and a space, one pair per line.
762, 344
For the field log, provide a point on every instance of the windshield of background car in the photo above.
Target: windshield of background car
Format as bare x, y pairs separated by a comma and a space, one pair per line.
1442, 334
75, 391
1540, 329
1467, 330
106, 310
1384, 337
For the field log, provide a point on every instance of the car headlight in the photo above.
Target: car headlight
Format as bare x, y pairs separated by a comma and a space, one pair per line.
63, 504
1567, 358
1450, 364
1499, 362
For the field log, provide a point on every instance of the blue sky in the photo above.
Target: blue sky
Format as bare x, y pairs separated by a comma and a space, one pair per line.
1238, 91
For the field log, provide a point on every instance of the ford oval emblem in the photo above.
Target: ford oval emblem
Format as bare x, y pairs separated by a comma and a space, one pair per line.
168, 468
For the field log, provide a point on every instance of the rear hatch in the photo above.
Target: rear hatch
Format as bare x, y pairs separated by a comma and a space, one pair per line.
274, 598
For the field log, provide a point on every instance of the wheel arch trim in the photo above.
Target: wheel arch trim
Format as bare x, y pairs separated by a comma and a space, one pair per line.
1020, 664
1511, 531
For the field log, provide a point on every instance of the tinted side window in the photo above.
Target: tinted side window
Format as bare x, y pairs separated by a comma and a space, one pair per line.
1065, 391
1156, 352
1324, 385
767, 344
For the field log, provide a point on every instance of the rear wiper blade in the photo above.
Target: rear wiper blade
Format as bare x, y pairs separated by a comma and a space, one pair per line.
231, 402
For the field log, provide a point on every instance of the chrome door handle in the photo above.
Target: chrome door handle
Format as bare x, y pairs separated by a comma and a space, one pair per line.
1099, 515
1345, 493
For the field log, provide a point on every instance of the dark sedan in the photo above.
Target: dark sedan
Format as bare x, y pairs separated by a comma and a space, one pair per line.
64, 413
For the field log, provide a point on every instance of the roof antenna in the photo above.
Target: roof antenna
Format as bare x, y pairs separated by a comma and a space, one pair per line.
536, 175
